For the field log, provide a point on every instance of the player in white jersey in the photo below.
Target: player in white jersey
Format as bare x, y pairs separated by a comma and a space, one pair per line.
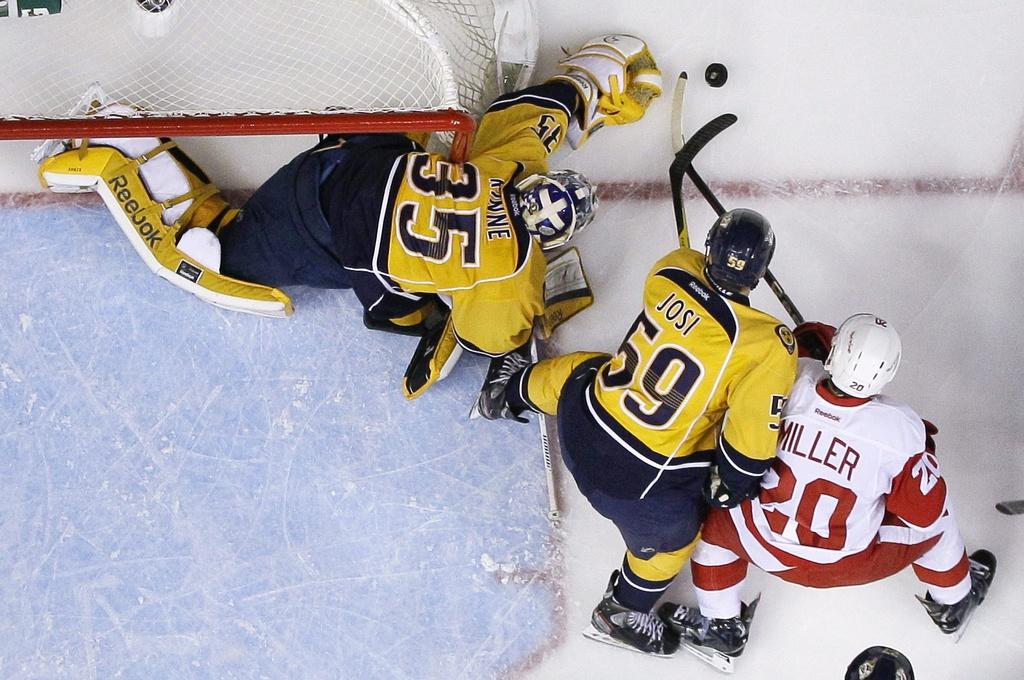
854, 496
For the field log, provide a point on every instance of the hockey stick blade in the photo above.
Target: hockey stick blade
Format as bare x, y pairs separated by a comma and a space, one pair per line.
677, 113
1011, 507
698, 141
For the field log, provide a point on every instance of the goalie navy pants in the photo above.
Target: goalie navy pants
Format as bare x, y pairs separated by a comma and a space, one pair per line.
281, 237
666, 518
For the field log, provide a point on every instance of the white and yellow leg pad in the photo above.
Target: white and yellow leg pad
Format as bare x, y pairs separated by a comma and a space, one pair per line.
137, 197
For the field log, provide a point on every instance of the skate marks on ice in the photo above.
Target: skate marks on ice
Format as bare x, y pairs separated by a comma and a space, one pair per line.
189, 492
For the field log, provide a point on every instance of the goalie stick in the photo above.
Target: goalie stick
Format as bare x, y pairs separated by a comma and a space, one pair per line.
548, 436
1011, 507
682, 164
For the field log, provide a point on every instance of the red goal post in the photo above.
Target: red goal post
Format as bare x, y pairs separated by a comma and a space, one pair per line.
250, 67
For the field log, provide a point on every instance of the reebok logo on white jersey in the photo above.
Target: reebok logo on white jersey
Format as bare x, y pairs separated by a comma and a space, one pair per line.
826, 414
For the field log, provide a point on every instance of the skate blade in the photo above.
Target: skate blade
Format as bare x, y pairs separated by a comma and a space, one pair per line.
958, 634
594, 634
715, 659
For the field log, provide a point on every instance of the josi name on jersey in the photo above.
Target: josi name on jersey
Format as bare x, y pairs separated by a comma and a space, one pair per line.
679, 316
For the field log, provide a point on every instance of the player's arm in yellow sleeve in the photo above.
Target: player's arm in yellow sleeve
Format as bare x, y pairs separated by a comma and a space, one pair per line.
526, 126
746, 446
538, 387
610, 80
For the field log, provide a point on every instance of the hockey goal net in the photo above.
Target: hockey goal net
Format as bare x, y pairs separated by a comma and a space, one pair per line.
247, 67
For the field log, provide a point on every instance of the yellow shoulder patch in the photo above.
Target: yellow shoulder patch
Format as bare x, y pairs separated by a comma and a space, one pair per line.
786, 336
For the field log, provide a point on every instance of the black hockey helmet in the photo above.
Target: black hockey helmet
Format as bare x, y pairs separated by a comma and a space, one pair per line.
880, 663
738, 249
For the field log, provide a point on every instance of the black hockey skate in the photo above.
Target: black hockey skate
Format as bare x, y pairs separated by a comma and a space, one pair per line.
492, 403
620, 626
952, 619
715, 641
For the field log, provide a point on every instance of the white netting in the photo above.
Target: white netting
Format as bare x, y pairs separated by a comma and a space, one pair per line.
232, 56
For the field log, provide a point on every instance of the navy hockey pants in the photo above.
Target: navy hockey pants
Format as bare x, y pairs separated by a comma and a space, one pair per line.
281, 237
666, 519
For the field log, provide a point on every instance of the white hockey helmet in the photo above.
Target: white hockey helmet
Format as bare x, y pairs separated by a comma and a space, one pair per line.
865, 355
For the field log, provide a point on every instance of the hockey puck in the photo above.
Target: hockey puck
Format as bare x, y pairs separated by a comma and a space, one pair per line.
716, 74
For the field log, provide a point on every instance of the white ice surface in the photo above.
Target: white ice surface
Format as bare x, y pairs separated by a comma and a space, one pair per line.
252, 503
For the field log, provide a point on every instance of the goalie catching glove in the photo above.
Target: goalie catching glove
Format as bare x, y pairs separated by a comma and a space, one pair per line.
617, 79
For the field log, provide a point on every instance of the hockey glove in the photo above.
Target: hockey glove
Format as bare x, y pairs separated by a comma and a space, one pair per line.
417, 323
617, 79
814, 339
493, 401
929, 435
718, 495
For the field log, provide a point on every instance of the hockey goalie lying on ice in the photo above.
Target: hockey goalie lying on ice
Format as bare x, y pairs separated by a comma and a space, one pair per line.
448, 251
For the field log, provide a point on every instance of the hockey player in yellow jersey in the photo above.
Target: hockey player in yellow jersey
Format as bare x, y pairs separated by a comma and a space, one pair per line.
686, 413
448, 251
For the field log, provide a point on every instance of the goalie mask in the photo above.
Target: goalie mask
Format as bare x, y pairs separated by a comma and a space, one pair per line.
556, 205
739, 246
864, 356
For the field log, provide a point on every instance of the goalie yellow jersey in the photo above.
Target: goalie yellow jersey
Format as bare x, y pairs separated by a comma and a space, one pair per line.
456, 230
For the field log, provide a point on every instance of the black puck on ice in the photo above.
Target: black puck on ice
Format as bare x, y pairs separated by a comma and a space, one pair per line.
716, 74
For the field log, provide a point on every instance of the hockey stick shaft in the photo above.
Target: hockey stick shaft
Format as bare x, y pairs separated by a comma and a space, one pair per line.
716, 205
549, 472
684, 160
548, 434
677, 113
678, 141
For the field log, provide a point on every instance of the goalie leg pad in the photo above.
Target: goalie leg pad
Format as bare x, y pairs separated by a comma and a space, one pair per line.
117, 178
